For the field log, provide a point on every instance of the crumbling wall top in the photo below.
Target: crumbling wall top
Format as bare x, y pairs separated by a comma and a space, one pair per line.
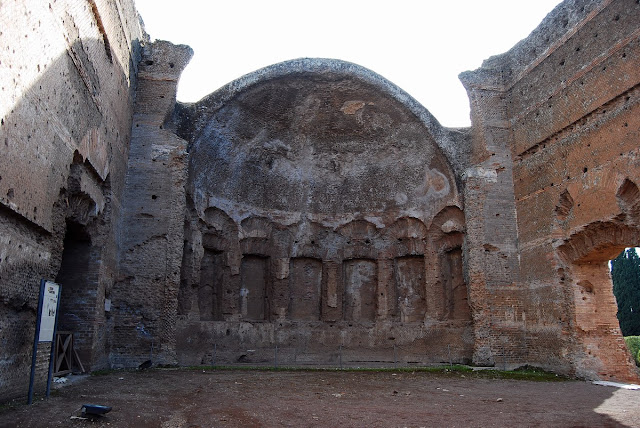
193, 118
504, 69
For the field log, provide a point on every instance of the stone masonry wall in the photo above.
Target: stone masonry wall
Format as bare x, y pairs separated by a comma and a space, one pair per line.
569, 97
324, 217
151, 235
312, 205
67, 77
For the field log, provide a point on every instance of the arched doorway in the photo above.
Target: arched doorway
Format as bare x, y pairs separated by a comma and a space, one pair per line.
599, 350
625, 275
78, 276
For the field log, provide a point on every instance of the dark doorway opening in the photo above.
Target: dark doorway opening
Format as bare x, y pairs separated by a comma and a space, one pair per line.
78, 277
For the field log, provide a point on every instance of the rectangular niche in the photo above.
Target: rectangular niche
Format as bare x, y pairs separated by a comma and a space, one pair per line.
360, 285
456, 299
409, 274
305, 280
253, 293
211, 285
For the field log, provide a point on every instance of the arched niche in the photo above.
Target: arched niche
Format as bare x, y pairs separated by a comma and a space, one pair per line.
322, 137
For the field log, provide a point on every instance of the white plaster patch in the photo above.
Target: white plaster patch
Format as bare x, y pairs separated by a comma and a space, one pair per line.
401, 198
452, 226
435, 184
490, 175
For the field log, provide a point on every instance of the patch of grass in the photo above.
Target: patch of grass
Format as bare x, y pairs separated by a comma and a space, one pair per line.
633, 343
524, 373
431, 369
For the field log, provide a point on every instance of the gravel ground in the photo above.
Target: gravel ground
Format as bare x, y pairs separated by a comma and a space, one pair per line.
233, 398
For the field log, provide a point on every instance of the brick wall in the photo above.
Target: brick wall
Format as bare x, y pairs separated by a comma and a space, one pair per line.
67, 94
332, 204
151, 240
569, 97
521, 212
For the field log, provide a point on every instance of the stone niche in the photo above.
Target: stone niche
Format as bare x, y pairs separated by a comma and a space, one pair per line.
323, 213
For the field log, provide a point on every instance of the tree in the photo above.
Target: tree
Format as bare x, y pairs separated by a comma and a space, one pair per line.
625, 272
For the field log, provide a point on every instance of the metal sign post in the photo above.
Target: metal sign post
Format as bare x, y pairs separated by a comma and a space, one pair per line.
46, 326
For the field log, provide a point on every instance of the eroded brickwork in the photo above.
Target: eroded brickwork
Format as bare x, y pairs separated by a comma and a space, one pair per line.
68, 81
569, 97
313, 206
151, 236
323, 211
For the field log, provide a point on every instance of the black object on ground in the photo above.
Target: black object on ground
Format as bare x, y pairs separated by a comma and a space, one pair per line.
91, 410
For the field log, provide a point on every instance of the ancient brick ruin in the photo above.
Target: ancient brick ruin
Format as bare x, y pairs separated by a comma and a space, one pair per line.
313, 207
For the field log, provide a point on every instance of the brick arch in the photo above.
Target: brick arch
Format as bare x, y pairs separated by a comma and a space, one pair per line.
448, 214
599, 348
407, 227
448, 227
359, 230
256, 227
599, 242
218, 219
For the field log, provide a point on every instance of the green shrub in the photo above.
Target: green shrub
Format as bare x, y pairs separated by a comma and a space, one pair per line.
633, 343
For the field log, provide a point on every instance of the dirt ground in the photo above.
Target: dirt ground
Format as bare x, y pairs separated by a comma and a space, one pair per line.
223, 398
